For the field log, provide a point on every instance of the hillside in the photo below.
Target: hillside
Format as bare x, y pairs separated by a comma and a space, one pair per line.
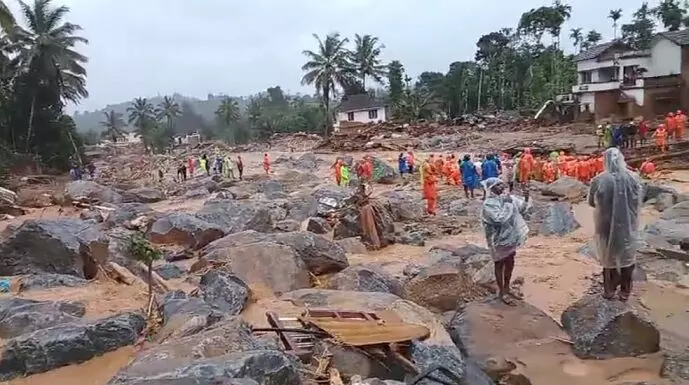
90, 120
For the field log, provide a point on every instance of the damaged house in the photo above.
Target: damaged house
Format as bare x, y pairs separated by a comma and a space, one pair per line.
615, 80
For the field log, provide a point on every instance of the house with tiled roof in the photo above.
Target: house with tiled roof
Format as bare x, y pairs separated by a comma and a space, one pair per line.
616, 80
360, 108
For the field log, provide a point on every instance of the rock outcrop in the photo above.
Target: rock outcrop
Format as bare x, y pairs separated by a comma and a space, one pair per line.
19, 316
600, 328
184, 229
184, 316
47, 281
143, 195
566, 187
365, 278
224, 292
235, 216
554, 218
66, 344
58, 246
93, 191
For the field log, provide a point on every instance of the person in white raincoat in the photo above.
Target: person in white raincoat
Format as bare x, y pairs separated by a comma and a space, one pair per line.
617, 195
505, 230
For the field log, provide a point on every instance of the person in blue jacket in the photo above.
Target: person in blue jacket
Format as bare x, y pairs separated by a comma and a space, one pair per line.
402, 164
489, 168
469, 175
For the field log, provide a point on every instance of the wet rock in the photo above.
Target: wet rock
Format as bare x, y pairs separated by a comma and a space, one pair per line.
676, 366
383, 172
671, 227
442, 287
234, 216
19, 316
47, 281
318, 225
66, 344
365, 278
600, 329
143, 195
429, 355
353, 362
412, 270
678, 212
475, 374
405, 205
196, 193
663, 202
308, 162
266, 265
270, 186
126, 212
224, 292
266, 367
348, 225
566, 187
79, 189
413, 238
184, 316
301, 206
184, 229
331, 197
352, 245
287, 226
60, 246
169, 271
243, 190
319, 254
554, 218
91, 215
653, 191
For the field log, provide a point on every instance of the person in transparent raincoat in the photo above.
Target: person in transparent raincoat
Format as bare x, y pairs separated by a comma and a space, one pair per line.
505, 230
616, 195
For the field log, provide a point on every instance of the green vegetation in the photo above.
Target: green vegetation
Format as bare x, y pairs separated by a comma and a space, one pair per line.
141, 250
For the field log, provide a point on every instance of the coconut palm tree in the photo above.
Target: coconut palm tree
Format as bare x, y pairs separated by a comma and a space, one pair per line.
578, 37
6, 18
326, 68
228, 111
141, 114
615, 15
168, 110
366, 58
113, 124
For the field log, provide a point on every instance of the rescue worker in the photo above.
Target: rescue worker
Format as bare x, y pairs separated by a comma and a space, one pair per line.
670, 125
344, 175
548, 172
616, 195
337, 167
681, 122
643, 131
190, 166
661, 138
607, 135
508, 172
204, 164
469, 176
228, 167
410, 161
489, 168
526, 165
430, 187
266, 163
402, 164
600, 133
647, 168
505, 231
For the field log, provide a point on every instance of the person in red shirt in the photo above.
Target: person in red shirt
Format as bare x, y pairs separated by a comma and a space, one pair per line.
643, 131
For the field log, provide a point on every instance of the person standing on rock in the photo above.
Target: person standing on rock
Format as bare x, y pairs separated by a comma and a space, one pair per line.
616, 195
266, 163
469, 176
337, 168
505, 230
190, 166
430, 187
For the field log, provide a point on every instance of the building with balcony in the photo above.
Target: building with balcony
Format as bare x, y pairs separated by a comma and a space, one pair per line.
615, 80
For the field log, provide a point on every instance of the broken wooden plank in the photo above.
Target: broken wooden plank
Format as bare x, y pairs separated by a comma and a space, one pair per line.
362, 332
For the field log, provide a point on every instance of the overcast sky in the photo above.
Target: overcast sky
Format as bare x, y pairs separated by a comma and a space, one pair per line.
196, 47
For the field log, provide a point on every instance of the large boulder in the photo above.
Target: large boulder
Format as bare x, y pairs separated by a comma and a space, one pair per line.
184, 229
234, 216
600, 328
265, 367
265, 266
672, 227
301, 206
457, 275
143, 195
80, 189
318, 225
383, 172
405, 205
59, 246
365, 278
126, 212
47, 281
331, 197
678, 212
224, 292
308, 161
67, 343
349, 224
19, 316
169, 271
319, 254
566, 187
555, 218
184, 315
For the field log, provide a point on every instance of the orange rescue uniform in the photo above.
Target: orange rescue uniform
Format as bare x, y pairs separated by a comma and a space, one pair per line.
430, 188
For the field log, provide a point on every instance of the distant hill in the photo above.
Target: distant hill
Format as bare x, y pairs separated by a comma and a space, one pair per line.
90, 120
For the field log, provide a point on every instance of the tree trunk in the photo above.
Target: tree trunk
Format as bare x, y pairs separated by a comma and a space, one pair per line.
326, 102
363, 82
480, 80
30, 129
76, 150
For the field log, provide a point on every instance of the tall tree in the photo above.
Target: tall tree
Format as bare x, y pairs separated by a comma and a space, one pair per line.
366, 58
639, 33
577, 38
47, 56
327, 67
671, 13
593, 37
113, 124
615, 15
228, 111
142, 115
395, 82
168, 110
